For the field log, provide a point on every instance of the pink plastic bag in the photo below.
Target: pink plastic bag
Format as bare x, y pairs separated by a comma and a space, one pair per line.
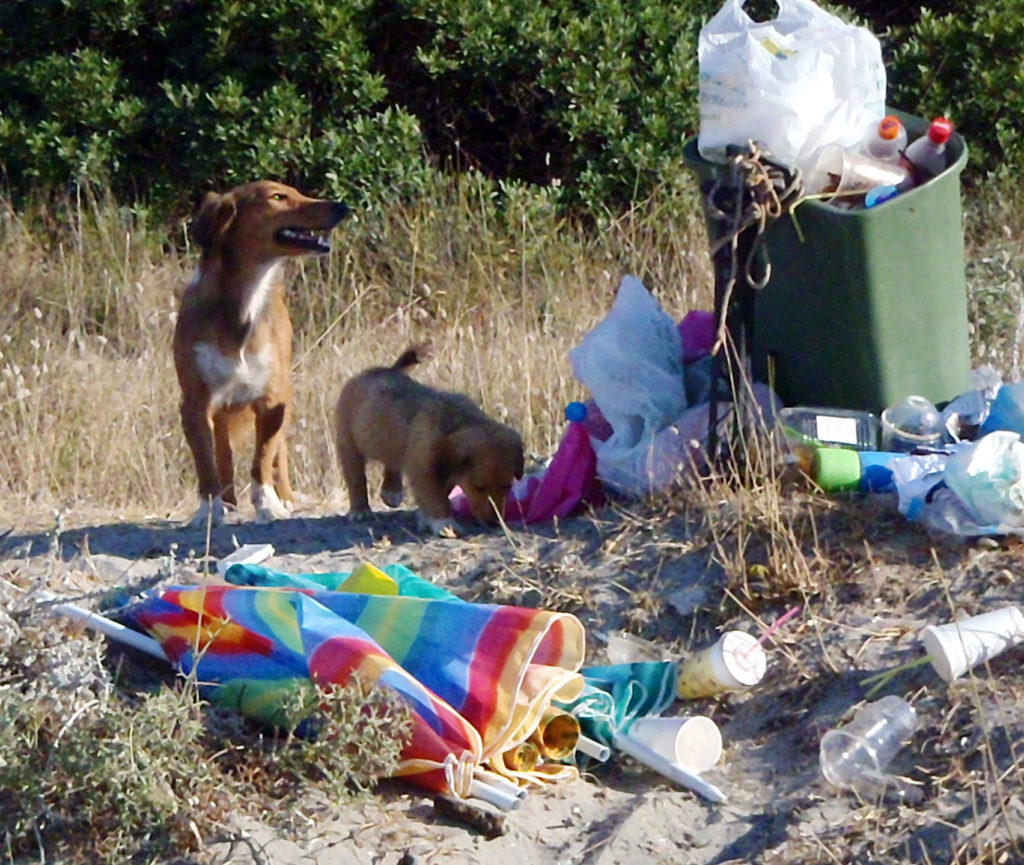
569, 481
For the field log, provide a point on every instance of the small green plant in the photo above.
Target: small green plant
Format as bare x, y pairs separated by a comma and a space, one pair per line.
342, 739
90, 771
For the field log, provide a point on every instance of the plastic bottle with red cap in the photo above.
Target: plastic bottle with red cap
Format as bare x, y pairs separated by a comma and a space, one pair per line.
926, 157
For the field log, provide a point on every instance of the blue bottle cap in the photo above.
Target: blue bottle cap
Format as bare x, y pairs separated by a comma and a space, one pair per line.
575, 412
881, 193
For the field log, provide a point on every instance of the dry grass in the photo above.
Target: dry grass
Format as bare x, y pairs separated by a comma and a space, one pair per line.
89, 297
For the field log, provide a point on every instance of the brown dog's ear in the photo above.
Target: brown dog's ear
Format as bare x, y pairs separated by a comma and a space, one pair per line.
215, 214
520, 463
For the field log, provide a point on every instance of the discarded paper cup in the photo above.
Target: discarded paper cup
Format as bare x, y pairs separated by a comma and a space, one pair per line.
958, 646
841, 170
693, 742
735, 662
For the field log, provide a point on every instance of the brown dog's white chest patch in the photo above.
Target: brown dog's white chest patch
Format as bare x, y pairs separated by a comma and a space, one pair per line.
263, 286
234, 380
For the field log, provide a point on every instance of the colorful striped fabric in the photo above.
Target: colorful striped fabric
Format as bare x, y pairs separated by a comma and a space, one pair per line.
478, 677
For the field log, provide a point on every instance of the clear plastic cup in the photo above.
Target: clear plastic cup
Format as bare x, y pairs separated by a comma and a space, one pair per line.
912, 423
839, 170
856, 756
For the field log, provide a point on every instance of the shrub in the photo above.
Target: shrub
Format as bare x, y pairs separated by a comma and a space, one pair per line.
162, 99
95, 774
965, 65
596, 97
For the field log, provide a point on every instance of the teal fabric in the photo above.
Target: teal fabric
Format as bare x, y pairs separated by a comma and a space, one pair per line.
614, 696
409, 585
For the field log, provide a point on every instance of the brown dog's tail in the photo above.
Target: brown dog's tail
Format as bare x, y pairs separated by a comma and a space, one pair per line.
413, 355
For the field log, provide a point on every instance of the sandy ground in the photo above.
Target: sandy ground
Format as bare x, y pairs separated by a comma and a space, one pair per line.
959, 797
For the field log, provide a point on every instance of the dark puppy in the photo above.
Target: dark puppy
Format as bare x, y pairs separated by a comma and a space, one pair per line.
434, 438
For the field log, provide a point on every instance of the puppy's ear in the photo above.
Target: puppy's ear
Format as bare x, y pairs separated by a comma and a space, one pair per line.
214, 217
520, 463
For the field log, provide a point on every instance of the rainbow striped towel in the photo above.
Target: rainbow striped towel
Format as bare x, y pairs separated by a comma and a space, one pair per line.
478, 677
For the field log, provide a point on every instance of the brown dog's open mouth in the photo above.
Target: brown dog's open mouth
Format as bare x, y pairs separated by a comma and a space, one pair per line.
302, 238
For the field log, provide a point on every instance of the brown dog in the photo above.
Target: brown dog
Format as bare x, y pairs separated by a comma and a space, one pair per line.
233, 338
436, 439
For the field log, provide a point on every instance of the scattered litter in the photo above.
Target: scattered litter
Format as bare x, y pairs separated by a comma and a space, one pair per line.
957, 647
734, 662
673, 771
855, 756
632, 364
593, 749
619, 696
691, 741
247, 554
626, 648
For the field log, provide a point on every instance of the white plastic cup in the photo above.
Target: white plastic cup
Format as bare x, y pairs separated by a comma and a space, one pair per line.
840, 170
856, 755
956, 647
735, 662
693, 742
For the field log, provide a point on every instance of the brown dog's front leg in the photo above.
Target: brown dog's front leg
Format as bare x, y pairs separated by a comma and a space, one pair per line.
225, 459
281, 480
270, 441
432, 498
198, 431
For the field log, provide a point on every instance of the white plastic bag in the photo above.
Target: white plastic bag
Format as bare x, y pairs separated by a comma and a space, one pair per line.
632, 364
988, 477
975, 488
795, 84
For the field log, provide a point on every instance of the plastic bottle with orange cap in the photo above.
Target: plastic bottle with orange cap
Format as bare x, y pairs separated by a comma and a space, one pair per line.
923, 158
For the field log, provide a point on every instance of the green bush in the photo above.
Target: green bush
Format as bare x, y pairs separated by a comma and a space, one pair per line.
596, 97
165, 98
363, 99
966, 65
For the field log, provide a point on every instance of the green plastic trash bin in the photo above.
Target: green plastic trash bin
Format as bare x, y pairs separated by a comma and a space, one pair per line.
870, 305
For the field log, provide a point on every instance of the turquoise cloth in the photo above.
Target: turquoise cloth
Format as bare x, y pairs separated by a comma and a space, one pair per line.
614, 696
409, 585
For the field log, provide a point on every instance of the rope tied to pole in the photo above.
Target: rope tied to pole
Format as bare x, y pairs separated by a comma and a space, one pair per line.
742, 202
766, 190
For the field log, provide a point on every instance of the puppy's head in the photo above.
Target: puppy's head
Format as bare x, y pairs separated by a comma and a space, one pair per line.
484, 461
263, 221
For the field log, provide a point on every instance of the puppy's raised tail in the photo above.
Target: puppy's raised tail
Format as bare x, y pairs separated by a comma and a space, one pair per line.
413, 355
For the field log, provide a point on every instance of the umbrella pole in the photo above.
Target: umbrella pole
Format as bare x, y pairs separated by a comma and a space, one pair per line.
96, 622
